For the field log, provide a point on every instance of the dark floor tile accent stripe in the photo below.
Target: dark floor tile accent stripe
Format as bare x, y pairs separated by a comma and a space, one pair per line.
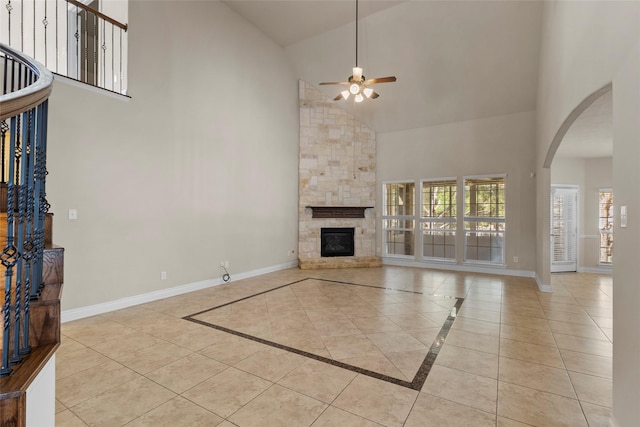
307, 354
430, 359
372, 286
242, 299
418, 380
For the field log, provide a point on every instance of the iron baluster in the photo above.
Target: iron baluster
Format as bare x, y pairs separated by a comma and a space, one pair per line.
27, 134
56, 32
77, 36
45, 23
104, 54
121, 73
34, 29
42, 205
9, 9
5, 80
113, 65
28, 246
13, 75
85, 46
9, 253
22, 25
4, 128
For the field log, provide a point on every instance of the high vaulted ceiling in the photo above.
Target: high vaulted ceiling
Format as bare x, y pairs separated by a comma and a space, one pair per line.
291, 21
454, 60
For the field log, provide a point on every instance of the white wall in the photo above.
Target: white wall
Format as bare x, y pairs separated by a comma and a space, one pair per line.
41, 397
199, 166
626, 294
587, 45
497, 145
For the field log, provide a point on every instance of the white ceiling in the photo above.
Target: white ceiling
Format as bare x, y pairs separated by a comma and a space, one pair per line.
454, 60
291, 21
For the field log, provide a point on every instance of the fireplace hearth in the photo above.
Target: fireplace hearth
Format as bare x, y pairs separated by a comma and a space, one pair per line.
336, 242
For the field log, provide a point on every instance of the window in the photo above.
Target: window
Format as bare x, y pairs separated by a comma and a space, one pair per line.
398, 221
484, 219
438, 219
605, 224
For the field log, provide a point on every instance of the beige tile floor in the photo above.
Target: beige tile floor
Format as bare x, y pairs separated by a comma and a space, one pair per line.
514, 356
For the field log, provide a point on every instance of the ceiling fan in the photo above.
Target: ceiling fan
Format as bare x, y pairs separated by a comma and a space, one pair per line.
357, 84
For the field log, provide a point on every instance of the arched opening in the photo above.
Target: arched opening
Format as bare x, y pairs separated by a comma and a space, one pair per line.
581, 194
581, 171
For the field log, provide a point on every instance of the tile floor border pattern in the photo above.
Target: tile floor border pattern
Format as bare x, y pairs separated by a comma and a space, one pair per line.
420, 376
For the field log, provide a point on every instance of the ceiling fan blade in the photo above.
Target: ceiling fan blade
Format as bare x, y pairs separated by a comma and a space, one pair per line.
380, 80
334, 83
338, 98
374, 95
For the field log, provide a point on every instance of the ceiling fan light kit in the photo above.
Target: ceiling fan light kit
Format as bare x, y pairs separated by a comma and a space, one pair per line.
357, 84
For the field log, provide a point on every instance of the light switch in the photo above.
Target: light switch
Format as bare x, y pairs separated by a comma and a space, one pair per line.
73, 214
623, 216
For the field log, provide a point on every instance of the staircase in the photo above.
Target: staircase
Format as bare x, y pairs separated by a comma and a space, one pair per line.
44, 338
31, 267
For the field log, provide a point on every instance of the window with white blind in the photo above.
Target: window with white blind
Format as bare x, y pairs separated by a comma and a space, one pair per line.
484, 219
438, 219
564, 228
605, 224
398, 218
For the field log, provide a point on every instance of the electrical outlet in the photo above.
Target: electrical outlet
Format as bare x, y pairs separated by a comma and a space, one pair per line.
163, 275
515, 259
221, 263
226, 264
73, 214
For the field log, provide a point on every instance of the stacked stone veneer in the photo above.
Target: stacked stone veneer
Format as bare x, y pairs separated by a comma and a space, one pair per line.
337, 168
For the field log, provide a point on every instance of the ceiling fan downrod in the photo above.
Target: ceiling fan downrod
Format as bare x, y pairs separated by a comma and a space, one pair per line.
356, 33
356, 84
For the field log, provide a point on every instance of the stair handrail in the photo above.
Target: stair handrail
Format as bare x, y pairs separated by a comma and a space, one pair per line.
72, 39
99, 14
21, 100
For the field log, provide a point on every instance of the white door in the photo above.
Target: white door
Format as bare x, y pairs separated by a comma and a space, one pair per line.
564, 229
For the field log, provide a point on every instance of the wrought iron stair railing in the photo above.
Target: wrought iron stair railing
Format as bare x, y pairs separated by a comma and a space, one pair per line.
26, 86
71, 38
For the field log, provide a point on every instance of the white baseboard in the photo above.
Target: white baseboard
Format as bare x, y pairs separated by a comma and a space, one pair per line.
596, 270
105, 307
470, 268
541, 286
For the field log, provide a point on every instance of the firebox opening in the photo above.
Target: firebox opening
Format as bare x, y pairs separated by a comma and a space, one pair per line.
337, 242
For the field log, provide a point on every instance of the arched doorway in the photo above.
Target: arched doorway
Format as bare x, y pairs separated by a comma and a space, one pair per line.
581, 210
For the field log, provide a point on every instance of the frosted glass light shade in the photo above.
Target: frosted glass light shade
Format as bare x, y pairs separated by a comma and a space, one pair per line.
359, 97
367, 92
357, 73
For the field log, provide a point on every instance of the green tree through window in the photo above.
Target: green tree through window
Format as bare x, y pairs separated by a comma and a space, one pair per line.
484, 219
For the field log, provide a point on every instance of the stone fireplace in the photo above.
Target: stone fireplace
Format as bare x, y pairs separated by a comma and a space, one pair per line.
337, 182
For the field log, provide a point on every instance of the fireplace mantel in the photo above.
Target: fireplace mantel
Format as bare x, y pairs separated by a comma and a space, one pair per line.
338, 211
